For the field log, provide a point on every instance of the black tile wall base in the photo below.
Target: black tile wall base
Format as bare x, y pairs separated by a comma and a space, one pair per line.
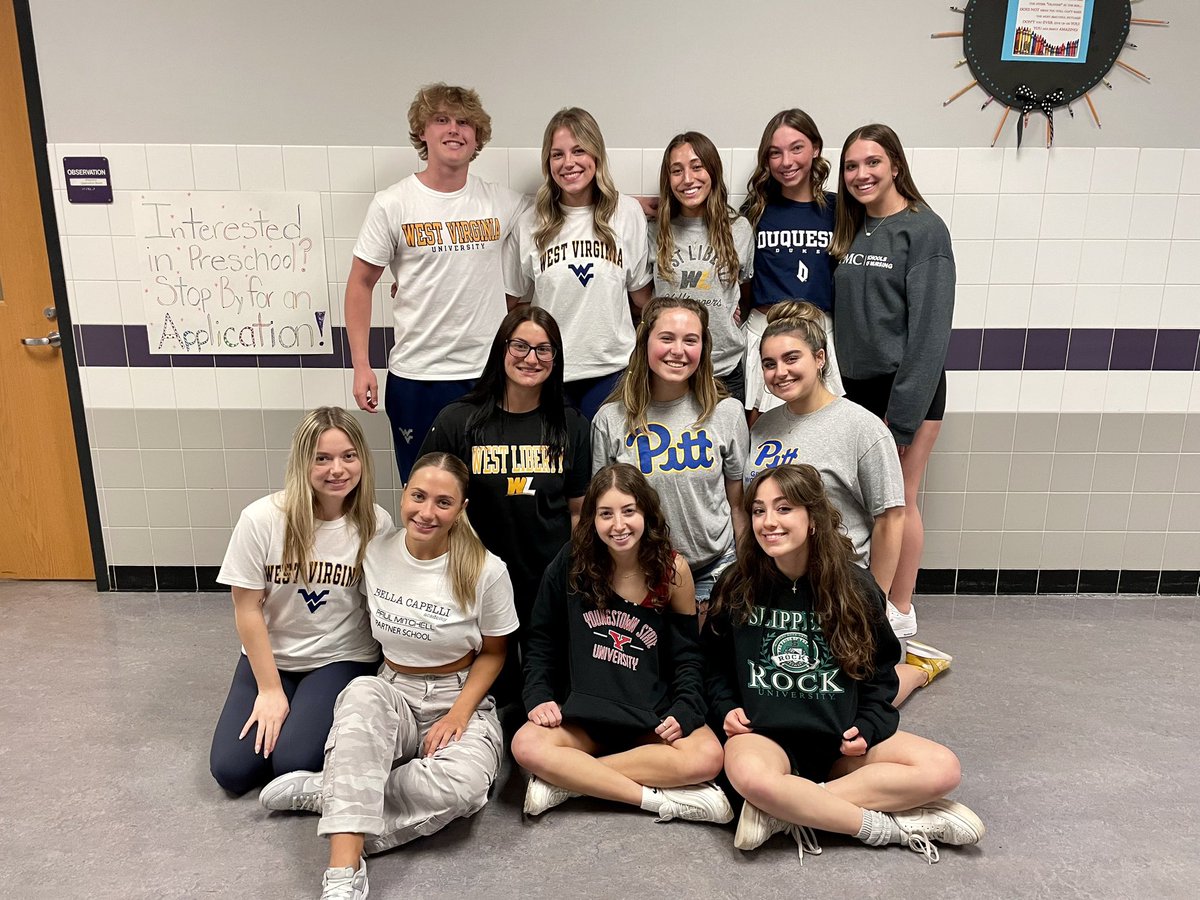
1176, 582
976, 581
1137, 582
1179, 583
134, 578
1017, 581
176, 578
206, 579
1098, 581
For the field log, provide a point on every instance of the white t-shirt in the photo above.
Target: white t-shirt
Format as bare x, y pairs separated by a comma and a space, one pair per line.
694, 274
582, 285
414, 613
311, 626
445, 254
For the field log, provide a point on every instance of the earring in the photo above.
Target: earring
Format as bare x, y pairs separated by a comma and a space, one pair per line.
812, 529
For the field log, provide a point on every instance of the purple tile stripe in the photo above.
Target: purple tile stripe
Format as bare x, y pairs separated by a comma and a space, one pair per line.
1089, 348
1046, 349
1133, 348
964, 350
1003, 349
1176, 350
971, 350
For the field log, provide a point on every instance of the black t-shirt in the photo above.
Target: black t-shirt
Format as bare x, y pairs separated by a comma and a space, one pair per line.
518, 496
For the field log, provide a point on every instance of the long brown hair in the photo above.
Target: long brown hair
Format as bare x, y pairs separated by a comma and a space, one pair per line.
847, 612
850, 212
550, 216
717, 214
633, 392
591, 562
762, 189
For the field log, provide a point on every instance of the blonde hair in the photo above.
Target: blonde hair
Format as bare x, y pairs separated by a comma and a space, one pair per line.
762, 189
550, 216
441, 97
801, 319
300, 500
717, 214
466, 553
633, 391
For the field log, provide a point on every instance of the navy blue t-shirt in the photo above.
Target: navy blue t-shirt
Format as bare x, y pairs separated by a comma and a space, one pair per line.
791, 253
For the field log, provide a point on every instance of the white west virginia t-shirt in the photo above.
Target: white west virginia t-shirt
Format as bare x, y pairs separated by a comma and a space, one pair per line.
583, 285
444, 250
414, 613
311, 625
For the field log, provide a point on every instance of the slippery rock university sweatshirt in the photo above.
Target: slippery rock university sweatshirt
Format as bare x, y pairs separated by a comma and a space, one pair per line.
779, 669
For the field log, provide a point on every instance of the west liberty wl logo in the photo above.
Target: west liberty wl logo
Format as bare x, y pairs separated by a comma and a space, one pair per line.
619, 640
520, 487
583, 273
313, 599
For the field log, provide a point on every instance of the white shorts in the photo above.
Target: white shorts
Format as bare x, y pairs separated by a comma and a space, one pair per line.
757, 395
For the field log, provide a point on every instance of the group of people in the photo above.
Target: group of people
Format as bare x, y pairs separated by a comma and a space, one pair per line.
692, 537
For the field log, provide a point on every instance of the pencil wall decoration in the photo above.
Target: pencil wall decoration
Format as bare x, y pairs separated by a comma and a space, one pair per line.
1035, 56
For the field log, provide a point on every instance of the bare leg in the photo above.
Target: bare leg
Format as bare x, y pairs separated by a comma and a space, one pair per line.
760, 771
897, 774
564, 756
912, 465
689, 760
345, 851
911, 678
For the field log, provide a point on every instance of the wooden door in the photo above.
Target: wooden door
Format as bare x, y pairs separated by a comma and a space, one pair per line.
45, 535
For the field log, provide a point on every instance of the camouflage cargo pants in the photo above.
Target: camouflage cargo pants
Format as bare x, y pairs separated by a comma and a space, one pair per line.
376, 782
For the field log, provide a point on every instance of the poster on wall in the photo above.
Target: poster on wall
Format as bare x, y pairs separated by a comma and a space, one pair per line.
233, 273
1047, 31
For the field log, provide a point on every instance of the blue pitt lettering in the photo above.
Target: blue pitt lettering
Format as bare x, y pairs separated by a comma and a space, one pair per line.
657, 449
771, 455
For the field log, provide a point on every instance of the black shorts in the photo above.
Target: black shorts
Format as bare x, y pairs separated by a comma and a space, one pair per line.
874, 394
809, 758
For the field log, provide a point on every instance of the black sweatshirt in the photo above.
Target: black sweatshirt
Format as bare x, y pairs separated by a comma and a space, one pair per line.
625, 666
778, 667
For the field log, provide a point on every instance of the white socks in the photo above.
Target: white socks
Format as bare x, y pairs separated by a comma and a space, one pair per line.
878, 828
651, 799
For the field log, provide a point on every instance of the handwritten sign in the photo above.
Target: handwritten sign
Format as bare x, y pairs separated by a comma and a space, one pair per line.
233, 273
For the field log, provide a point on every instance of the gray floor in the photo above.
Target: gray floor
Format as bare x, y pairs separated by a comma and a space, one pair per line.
1075, 719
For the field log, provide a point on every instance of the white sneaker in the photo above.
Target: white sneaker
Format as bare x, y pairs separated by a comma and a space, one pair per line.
296, 791
345, 884
542, 795
697, 803
943, 821
755, 827
903, 624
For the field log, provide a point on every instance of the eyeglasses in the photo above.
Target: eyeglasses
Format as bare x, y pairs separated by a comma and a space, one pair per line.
520, 349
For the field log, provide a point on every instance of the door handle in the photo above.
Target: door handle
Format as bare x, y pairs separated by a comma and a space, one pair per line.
53, 339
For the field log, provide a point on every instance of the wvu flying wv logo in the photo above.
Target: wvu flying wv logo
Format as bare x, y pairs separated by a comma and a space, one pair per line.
583, 273
314, 600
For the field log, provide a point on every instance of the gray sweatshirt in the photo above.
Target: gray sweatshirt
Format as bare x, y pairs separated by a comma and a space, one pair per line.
893, 307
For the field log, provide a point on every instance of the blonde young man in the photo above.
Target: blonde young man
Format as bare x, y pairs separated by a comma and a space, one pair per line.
440, 231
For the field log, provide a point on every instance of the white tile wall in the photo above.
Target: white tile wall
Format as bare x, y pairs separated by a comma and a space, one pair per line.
1070, 237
